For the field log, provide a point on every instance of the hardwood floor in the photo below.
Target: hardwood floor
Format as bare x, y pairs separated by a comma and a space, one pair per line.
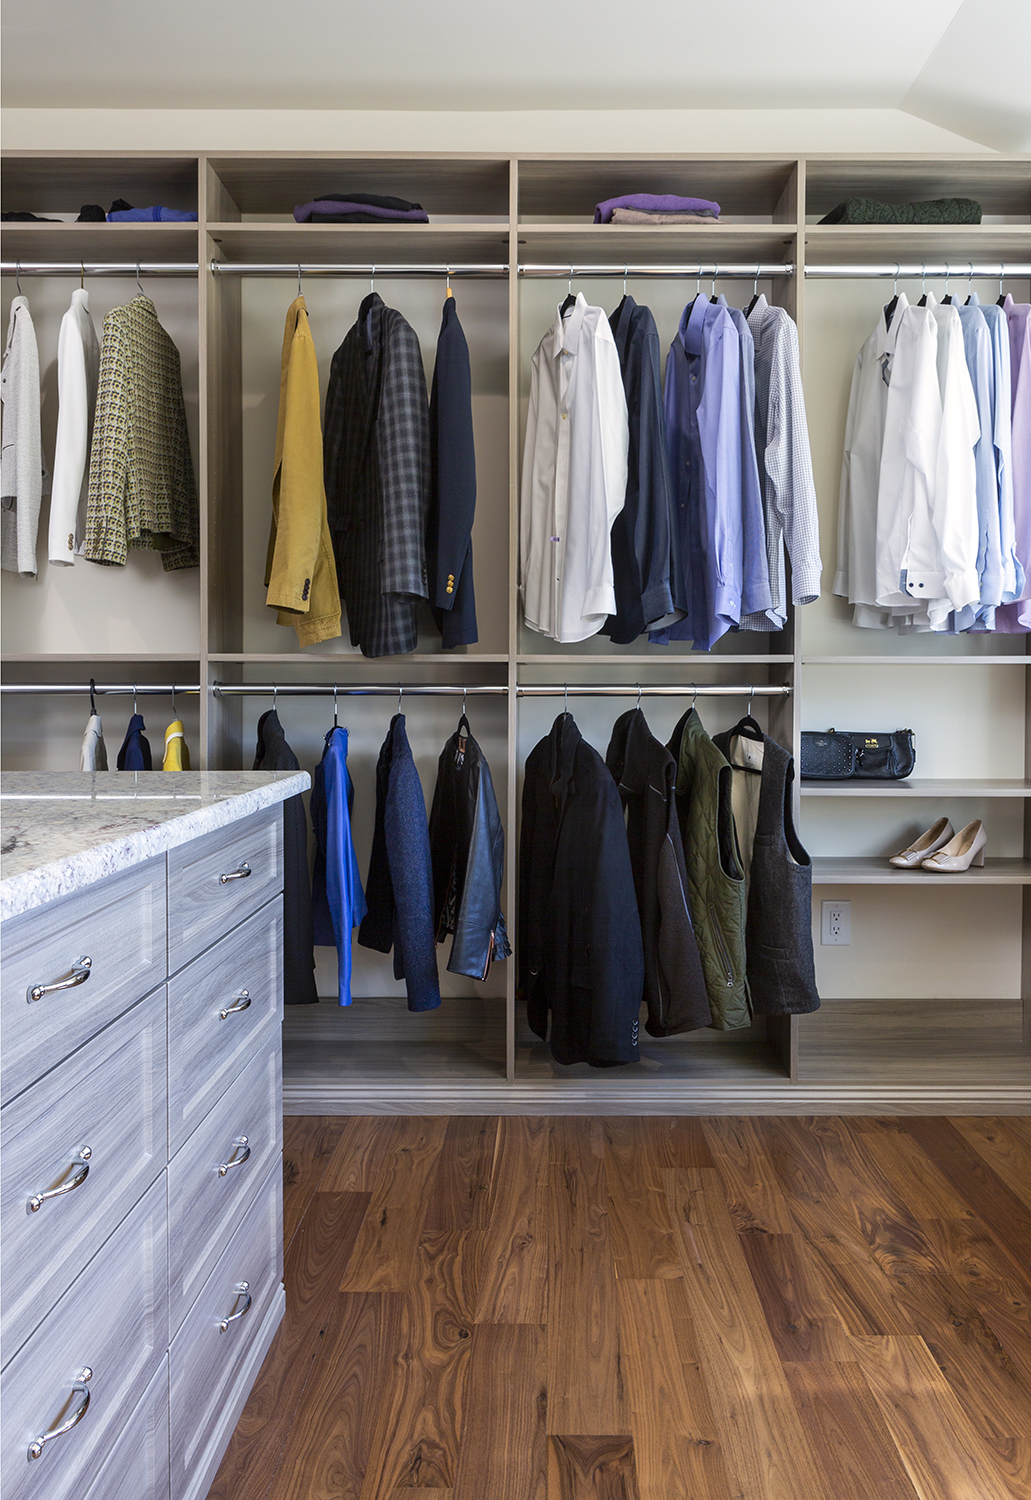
652, 1308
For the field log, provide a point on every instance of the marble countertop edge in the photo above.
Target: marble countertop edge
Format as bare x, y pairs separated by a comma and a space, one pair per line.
28, 889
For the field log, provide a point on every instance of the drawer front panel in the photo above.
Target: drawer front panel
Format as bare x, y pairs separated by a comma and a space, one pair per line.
137, 1469
99, 1121
206, 1357
119, 925
210, 1037
112, 1321
207, 1196
214, 882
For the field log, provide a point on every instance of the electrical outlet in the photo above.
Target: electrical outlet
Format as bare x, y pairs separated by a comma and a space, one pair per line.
835, 924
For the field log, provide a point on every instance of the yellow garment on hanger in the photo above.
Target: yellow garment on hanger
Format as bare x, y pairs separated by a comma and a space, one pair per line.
177, 752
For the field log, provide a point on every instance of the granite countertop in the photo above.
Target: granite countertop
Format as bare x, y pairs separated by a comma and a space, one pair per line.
63, 830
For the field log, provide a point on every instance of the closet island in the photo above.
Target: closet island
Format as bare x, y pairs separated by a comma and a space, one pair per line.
141, 1111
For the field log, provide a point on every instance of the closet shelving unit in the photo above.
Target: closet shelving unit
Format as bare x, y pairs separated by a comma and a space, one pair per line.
517, 214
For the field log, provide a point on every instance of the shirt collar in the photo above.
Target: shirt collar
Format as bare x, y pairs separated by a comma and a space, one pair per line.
566, 332
692, 324
891, 333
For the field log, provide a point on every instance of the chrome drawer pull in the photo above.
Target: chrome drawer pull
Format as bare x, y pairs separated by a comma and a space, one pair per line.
240, 873
78, 1389
234, 1010
78, 974
37, 1200
237, 1161
234, 1317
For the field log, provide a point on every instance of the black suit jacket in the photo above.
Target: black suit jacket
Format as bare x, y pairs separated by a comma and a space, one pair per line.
274, 754
579, 951
449, 545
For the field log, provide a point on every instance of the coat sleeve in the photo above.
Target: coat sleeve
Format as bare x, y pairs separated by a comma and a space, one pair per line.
652, 538
71, 444
106, 534
616, 951
403, 453
411, 876
479, 916
298, 481
377, 927
455, 477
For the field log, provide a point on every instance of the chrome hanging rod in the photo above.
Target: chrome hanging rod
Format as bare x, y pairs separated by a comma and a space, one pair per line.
752, 271
955, 270
332, 689
97, 268
383, 272
122, 689
654, 690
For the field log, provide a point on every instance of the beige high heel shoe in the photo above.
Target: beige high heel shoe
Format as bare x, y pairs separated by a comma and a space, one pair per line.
966, 849
937, 835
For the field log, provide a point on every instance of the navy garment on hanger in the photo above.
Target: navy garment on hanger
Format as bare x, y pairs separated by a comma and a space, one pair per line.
449, 548
135, 752
274, 754
338, 901
399, 888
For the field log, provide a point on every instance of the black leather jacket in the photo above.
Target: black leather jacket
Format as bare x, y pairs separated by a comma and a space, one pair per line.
467, 844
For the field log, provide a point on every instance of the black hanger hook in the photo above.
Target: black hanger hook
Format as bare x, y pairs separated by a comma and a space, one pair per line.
92, 696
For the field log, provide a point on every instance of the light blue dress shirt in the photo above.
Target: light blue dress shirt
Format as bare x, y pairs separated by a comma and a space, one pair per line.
977, 348
715, 478
1001, 429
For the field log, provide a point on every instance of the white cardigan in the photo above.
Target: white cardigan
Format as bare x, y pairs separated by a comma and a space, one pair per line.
21, 463
78, 370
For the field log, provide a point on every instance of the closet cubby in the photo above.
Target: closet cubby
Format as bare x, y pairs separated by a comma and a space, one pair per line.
930, 1008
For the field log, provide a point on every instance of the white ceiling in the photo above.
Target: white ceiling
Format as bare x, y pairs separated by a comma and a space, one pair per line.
962, 64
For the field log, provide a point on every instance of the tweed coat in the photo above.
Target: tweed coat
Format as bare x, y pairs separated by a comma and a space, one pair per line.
377, 473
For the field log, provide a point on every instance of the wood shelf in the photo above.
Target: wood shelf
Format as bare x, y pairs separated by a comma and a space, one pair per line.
373, 244
100, 242
1001, 184
915, 1042
953, 244
676, 661
571, 185
667, 244
868, 871
273, 182
1001, 786
339, 659
1014, 659
13, 658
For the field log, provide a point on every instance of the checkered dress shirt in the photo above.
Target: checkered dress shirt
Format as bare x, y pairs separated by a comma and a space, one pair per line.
377, 472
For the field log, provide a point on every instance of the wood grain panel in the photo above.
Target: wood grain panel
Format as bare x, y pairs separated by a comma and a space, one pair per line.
585, 1378
943, 1456
591, 1468
848, 1433
506, 1411
360, 1151
918, 1179
314, 1258
985, 1272
755, 1197
308, 1145
989, 1197
767, 1452
639, 1223
460, 1189
799, 1314
514, 1286
384, 1258
1003, 1149
421, 1416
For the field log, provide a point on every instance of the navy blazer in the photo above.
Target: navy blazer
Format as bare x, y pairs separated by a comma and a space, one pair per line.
449, 548
135, 752
272, 753
399, 888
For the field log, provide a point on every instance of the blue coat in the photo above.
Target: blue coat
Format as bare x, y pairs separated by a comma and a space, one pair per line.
135, 752
449, 548
274, 754
338, 901
400, 883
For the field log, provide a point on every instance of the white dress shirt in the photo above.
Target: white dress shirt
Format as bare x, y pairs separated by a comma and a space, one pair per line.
927, 498
574, 476
93, 751
856, 575
22, 473
78, 370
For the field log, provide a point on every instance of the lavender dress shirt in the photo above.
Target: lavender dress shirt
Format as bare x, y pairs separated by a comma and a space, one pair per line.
1015, 618
714, 483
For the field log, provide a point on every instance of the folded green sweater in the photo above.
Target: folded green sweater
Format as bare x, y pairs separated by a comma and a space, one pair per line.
937, 211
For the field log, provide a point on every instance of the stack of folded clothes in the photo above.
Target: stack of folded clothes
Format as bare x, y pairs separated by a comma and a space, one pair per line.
935, 211
359, 208
656, 208
120, 213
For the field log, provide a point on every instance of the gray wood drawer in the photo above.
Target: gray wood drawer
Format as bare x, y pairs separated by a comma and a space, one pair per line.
206, 1047
113, 1321
119, 924
205, 1205
205, 1358
137, 1469
109, 1098
201, 905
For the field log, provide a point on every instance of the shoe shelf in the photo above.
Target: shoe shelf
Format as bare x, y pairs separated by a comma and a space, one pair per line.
871, 871
1013, 659
1000, 786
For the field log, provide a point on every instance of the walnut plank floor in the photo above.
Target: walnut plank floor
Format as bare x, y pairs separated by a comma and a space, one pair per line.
647, 1309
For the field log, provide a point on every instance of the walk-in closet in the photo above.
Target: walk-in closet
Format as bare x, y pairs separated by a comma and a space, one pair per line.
509, 235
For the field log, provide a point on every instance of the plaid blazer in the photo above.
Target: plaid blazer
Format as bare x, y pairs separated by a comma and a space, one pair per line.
377, 471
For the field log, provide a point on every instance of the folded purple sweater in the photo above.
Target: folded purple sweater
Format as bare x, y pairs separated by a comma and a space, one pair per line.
320, 207
654, 203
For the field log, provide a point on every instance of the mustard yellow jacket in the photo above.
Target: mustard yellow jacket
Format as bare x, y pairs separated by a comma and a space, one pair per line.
300, 573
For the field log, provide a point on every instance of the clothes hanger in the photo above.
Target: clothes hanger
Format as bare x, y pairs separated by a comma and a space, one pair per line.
923, 285
638, 697
1001, 301
947, 299
570, 298
139, 285
336, 720
748, 726
755, 291
400, 690
712, 294
17, 277
92, 696
970, 277
134, 708
448, 292
82, 276
174, 714
889, 311
619, 309
275, 694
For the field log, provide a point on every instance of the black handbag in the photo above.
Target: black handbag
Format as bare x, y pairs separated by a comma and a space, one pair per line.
840, 755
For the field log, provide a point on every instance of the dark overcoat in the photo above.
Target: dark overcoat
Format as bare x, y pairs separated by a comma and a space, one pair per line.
449, 545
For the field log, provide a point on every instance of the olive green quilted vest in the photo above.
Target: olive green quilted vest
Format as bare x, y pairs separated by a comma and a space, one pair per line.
716, 881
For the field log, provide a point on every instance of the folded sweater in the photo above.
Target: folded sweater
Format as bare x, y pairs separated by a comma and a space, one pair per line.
935, 211
359, 208
655, 203
638, 216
